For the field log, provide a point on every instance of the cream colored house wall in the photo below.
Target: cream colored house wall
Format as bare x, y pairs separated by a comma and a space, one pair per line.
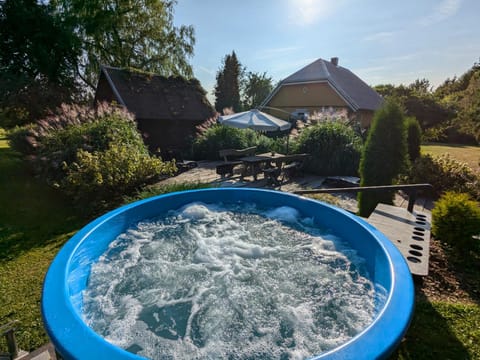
310, 97
306, 95
365, 117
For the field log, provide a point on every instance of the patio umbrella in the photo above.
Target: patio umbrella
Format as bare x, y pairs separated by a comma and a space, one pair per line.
256, 120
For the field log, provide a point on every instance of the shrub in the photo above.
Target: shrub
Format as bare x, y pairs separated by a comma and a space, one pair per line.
105, 175
21, 139
11, 116
91, 154
263, 142
334, 147
64, 129
98, 134
218, 137
448, 133
25, 99
414, 137
435, 134
445, 174
384, 155
456, 219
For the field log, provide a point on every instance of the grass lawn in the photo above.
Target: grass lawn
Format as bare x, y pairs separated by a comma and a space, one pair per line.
442, 330
464, 153
35, 221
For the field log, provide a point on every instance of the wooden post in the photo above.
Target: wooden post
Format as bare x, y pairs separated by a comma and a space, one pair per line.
11, 343
412, 197
410, 189
8, 330
57, 354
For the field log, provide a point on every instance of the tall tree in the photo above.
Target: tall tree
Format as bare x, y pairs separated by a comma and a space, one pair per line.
38, 55
468, 118
257, 87
129, 33
419, 102
36, 41
421, 87
384, 155
227, 89
456, 85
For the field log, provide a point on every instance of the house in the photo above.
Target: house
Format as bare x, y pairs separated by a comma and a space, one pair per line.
167, 110
323, 84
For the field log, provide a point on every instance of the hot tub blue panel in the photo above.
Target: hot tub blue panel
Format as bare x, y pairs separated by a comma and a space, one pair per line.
68, 274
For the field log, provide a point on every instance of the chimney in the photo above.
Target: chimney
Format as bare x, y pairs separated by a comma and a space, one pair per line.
334, 61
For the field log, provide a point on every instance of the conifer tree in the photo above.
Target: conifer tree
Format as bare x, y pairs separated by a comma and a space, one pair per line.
384, 155
227, 89
414, 137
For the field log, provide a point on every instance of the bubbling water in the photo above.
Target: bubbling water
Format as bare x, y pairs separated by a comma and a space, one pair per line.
229, 282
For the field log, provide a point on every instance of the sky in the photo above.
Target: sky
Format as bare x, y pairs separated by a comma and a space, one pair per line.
381, 41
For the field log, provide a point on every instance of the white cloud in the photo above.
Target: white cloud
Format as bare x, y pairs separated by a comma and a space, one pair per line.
307, 12
371, 69
379, 37
274, 52
442, 11
399, 58
387, 69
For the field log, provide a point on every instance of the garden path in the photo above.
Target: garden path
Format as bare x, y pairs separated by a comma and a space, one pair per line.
205, 173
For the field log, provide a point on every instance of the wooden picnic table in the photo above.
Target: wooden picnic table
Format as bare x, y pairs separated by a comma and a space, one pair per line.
255, 164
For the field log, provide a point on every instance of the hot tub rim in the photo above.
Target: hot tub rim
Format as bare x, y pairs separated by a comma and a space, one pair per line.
374, 335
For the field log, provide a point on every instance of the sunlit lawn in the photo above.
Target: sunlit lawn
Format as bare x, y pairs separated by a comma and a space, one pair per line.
35, 221
442, 330
464, 153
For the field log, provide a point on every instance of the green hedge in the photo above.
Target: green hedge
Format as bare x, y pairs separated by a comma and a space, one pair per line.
109, 174
414, 137
334, 148
456, 219
218, 137
94, 155
445, 174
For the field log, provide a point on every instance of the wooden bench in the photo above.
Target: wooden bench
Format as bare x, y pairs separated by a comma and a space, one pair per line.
229, 163
271, 175
293, 165
288, 166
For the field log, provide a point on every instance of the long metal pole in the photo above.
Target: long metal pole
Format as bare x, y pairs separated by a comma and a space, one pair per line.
410, 189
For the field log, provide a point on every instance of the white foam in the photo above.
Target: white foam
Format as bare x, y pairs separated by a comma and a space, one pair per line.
194, 211
284, 213
209, 281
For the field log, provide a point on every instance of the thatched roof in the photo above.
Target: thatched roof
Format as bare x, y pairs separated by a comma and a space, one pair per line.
155, 97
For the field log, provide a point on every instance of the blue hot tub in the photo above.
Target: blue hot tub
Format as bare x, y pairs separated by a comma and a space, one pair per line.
69, 272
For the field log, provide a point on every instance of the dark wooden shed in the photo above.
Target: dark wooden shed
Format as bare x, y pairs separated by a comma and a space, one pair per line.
167, 110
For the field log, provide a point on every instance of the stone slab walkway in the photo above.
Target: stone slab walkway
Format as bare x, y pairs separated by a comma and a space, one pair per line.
205, 173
